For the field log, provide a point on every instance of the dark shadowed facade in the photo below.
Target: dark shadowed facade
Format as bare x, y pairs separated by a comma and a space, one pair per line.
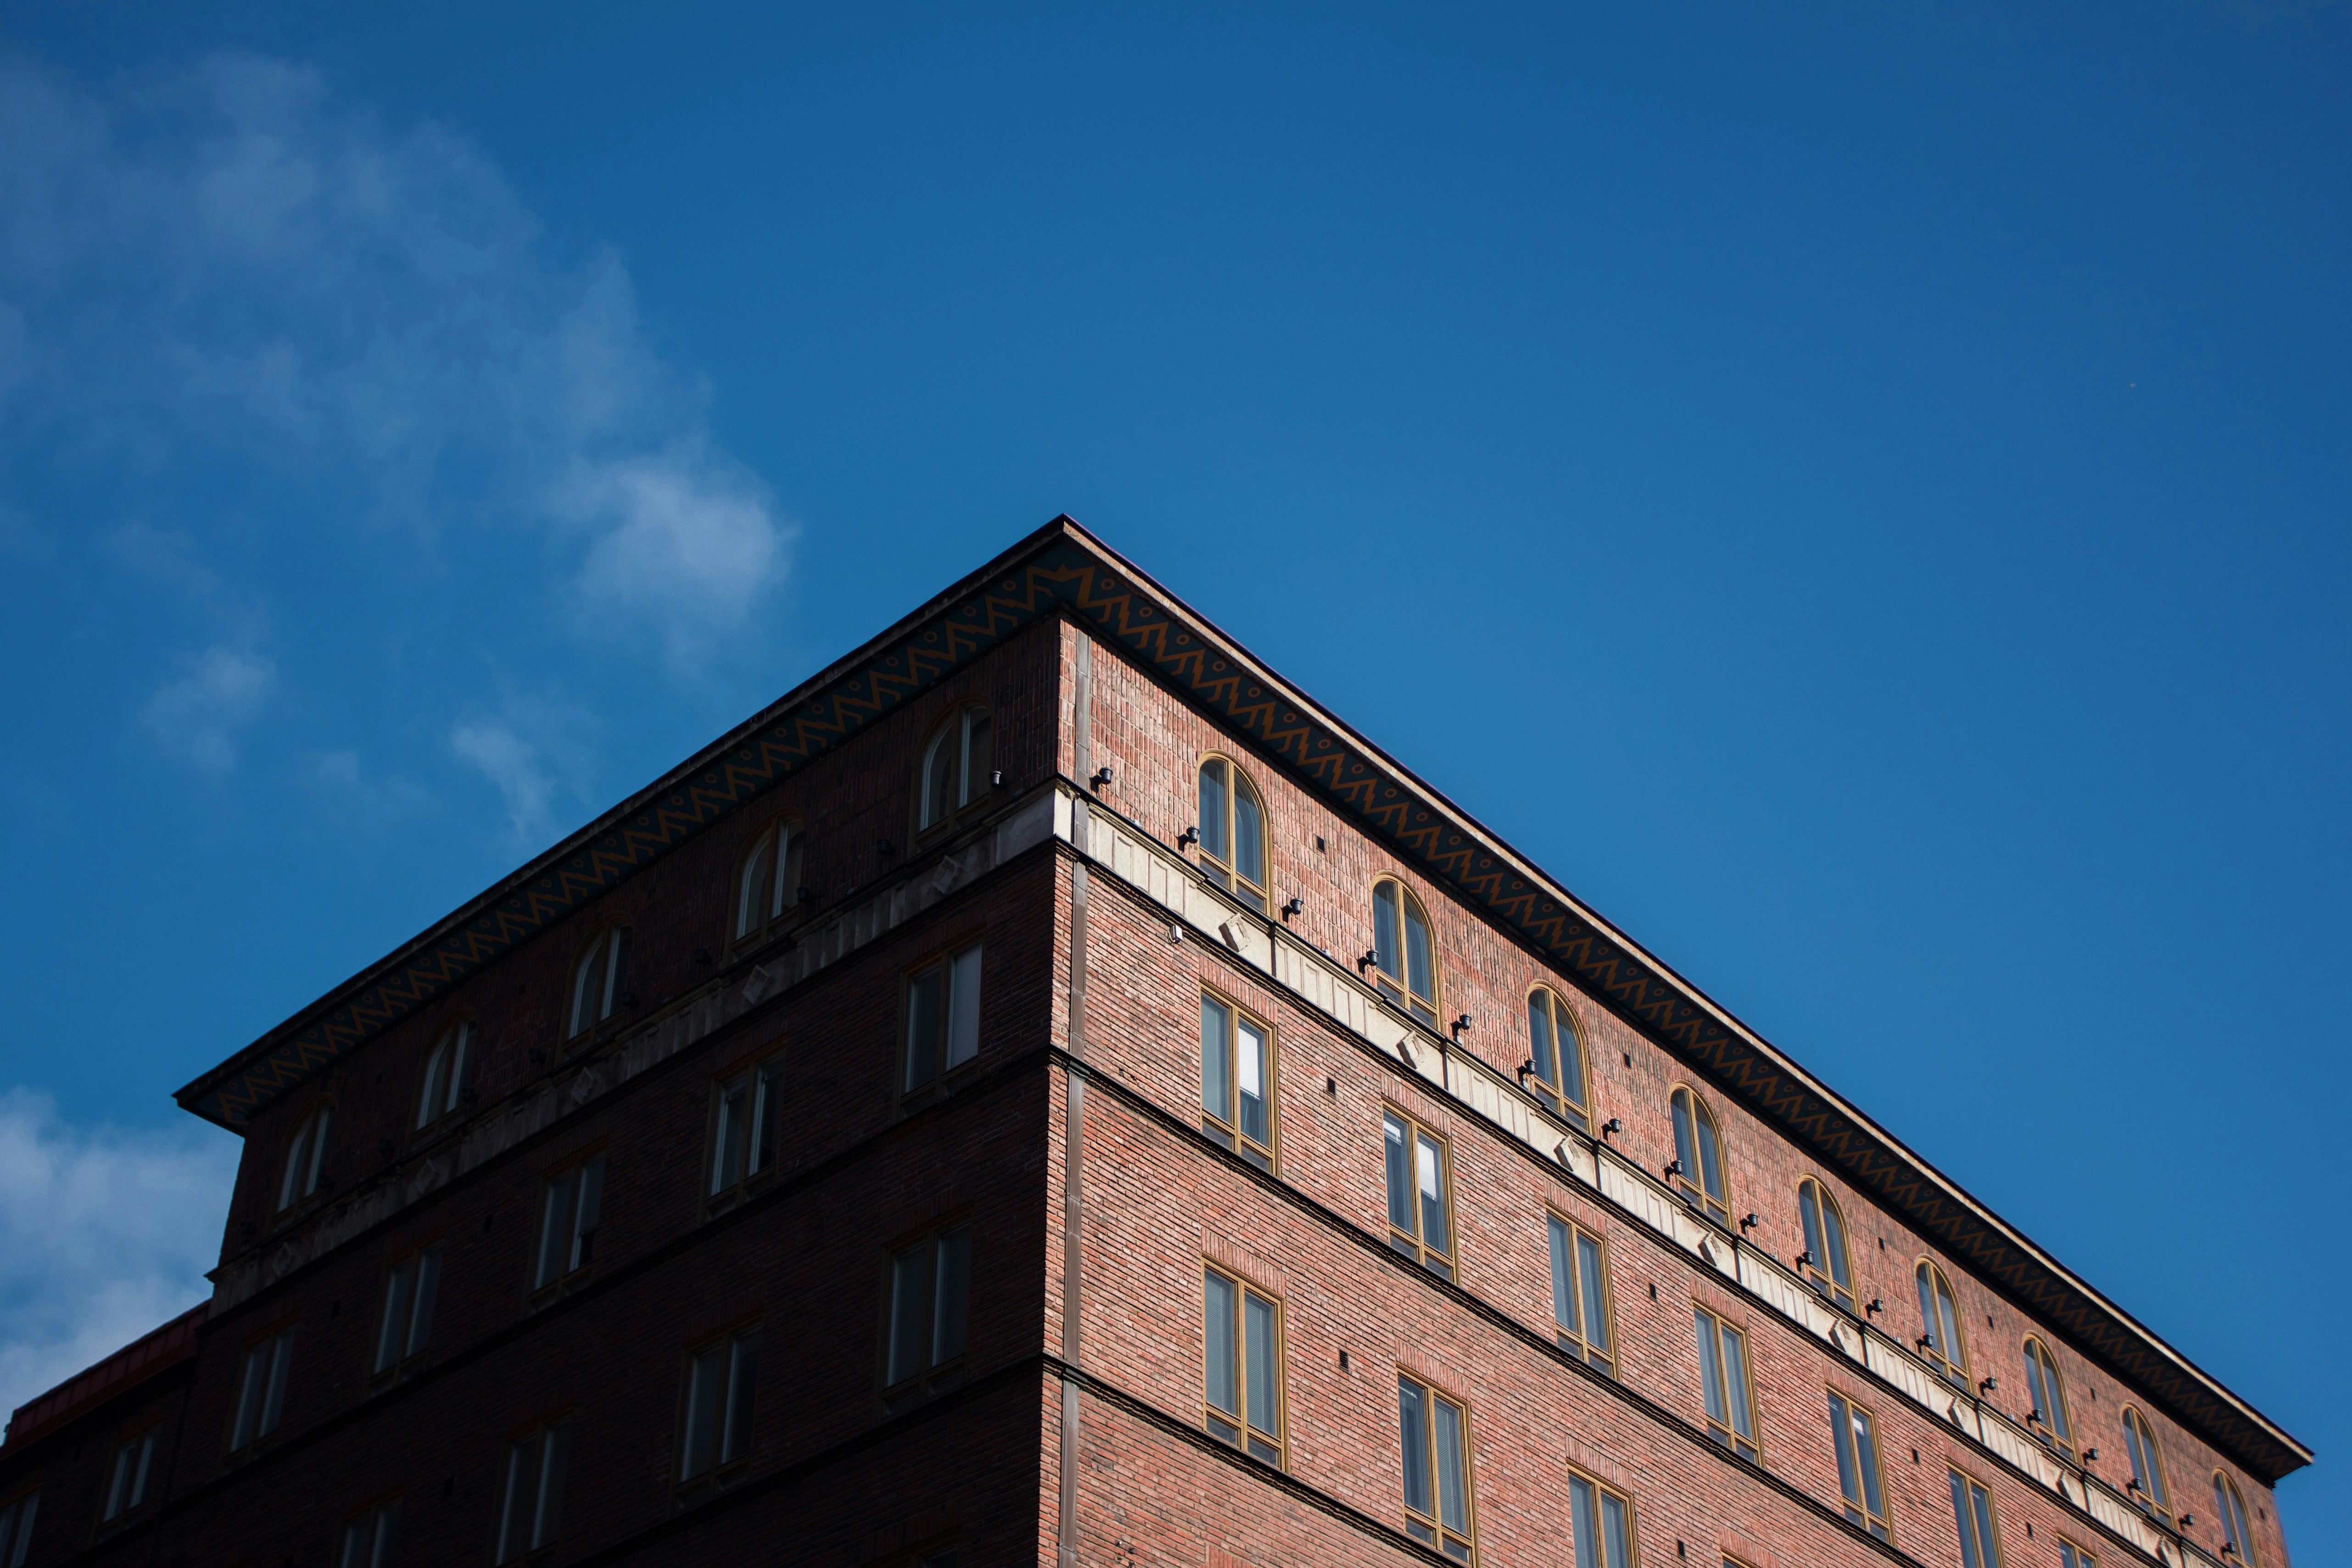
1046, 1090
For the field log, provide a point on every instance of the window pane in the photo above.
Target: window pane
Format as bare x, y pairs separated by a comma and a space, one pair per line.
1612, 1520
1217, 1330
428, 1102
955, 1288
757, 895
522, 1497
1563, 1286
910, 1310
1928, 1310
1571, 1060
583, 987
1686, 1146
1865, 1443
1433, 1231
589, 1212
1413, 1428
1596, 1311
1833, 1245
394, 1334
1735, 1381
938, 776
923, 1028
1539, 1035
552, 1455
1585, 1520
1710, 1371
979, 756
727, 1147
1809, 1212
963, 1009
1257, 1314
1964, 1524
273, 1403
1842, 1434
1988, 1544
1212, 811
1400, 1174
1420, 971
767, 1114
1453, 1481
420, 1315
1710, 1156
1216, 1059
701, 1414
1388, 944
743, 1384
1249, 839
554, 1229
1251, 1059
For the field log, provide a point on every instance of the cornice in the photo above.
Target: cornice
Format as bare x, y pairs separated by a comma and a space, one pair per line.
1062, 570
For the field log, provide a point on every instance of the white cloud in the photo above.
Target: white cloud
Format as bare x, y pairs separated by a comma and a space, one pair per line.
230, 257
512, 764
196, 717
104, 1234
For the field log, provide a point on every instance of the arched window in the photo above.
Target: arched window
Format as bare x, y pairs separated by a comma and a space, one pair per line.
2238, 1542
1697, 1169
600, 983
1233, 832
2048, 1391
955, 768
1942, 1343
2148, 1487
1825, 1260
1556, 1058
306, 1157
1403, 957
443, 1083
768, 887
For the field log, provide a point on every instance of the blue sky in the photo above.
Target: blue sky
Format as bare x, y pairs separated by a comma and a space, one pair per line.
1858, 492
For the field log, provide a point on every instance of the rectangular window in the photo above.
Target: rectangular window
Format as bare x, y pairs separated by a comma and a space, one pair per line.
1723, 1379
1421, 1211
1435, 1434
1237, 1081
368, 1539
261, 1389
931, 1284
1580, 1294
2072, 1557
1603, 1519
409, 1287
532, 1491
1972, 1514
570, 1208
17, 1528
1242, 1350
942, 1019
716, 1424
747, 1111
126, 1475
1854, 1432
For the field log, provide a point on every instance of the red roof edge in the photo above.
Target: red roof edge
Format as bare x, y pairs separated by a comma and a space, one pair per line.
135, 1363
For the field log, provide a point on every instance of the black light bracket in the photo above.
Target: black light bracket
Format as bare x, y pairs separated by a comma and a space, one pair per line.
1101, 777
1191, 835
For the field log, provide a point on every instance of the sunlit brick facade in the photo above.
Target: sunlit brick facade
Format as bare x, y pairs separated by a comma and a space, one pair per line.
874, 1274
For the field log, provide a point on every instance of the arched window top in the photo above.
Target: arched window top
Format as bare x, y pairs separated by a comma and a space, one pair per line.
1233, 831
304, 1171
1556, 1058
1697, 1169
2148, 1487
958, 762
600, 980
768, 891
441, 1087
1405, 956
1825, 1262
2237, 1539
1942, 1342
2050, 1418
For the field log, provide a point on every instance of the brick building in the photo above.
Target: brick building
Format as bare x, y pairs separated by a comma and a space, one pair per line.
1046, 1091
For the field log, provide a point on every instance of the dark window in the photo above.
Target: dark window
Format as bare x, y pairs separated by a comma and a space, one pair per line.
532, 1491
956, 768
570, 1209
261, 1389
1555, 1059
767, 889
716, 1424
747, 1112
17, 1528
2049, 1417
442, 1086
2148, 1487
2238, 1542
1233, 832
1854, 1432
1824, 1262
127, 1475
1241, 1356
409, 1288
1434, 1433
369, 1540
1943, 1343
1972, 1513
1404, 958
942, 1019
1723, 1384
600, 983
1420, 1209
1580, 1294
1698, 1158
306, 1158
929, 1289
1237, 1081
1603, 1519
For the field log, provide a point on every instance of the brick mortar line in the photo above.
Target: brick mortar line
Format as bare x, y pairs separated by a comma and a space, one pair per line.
1143, 899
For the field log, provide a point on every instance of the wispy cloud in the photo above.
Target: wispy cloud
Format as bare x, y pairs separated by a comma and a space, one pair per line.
512, 764
195, 715
104, 1235
232, 256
